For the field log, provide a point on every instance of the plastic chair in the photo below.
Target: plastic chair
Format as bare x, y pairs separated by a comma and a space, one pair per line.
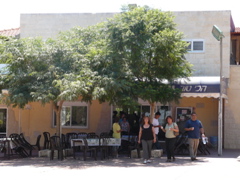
17, 146
25, 144
181, 145
64, 141
86, 149
56, 144
70, 136
133, 144
92, 135
82, 135
104, 135
46, 136
38, 142
103, 148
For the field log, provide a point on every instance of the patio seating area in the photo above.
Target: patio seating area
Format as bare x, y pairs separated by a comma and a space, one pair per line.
86, 146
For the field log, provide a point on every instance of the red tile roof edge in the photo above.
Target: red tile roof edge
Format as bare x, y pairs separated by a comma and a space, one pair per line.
237, 29
10, 32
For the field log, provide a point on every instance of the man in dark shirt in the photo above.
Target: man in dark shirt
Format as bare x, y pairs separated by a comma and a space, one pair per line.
194, 128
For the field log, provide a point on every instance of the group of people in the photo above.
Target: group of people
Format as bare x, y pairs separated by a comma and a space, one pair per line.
148, 135
129, 123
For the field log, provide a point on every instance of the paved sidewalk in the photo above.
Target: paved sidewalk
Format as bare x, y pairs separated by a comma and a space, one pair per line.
225, 167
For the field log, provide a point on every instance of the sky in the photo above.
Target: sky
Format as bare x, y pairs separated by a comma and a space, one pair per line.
10, 10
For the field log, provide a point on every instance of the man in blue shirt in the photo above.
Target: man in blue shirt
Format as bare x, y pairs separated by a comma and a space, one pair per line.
194, 128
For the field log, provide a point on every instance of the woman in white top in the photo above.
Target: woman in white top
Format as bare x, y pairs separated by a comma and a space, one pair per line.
170, 139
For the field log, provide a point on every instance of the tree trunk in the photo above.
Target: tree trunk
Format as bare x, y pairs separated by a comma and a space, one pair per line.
152, 105
58, 108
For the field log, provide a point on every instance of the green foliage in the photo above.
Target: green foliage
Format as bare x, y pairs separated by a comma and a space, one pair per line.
4, 38
55, 70
49, 71
143, 49
128, 57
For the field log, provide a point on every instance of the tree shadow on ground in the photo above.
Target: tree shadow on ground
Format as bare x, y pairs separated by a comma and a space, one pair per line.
123, 161
78, 163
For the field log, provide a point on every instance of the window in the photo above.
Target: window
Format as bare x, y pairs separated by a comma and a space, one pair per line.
73, 115
165, 111
195, 45
3, 120
183, 113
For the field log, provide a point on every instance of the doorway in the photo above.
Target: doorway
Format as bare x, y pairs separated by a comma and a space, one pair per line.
3, 121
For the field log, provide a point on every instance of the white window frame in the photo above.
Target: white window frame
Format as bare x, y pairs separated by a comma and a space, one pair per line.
192, 42
70, 105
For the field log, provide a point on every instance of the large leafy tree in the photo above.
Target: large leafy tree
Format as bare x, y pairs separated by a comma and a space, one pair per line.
142, 50
50, 71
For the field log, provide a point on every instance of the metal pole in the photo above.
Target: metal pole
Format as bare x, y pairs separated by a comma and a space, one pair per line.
220, 105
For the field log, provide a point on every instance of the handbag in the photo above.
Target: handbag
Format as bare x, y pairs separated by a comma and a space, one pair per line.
175, 133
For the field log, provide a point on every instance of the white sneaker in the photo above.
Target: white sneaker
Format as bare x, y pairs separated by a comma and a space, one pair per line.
148, 161
145, 162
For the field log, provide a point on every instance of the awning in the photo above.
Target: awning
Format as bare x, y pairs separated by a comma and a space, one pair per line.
203, 95
200, 86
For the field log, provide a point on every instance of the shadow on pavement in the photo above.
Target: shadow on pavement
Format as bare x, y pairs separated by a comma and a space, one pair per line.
122, 161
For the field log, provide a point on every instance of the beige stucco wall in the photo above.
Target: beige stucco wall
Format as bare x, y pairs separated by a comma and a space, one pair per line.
206, 109
194, 25
198, 25
39, 118
49, 25
232, 115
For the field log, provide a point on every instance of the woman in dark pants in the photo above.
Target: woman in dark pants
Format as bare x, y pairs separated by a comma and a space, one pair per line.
170, 139
146, 137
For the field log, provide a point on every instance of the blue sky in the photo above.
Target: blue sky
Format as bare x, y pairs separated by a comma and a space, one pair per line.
11, 9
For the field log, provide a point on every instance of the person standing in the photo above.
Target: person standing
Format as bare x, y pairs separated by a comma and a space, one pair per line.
125, 127
170, 138
147, 136
156, 128
194, 128
116, 134
114, 116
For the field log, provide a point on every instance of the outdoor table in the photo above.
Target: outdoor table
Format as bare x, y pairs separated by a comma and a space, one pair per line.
107, 142
95, 142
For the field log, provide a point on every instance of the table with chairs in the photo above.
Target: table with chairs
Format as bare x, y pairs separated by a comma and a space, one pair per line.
94, 144
73, 143
16, 144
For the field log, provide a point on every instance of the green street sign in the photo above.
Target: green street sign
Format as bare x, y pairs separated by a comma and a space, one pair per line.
217, 33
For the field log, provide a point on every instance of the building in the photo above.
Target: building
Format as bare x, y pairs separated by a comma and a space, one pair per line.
14, 32
200, 95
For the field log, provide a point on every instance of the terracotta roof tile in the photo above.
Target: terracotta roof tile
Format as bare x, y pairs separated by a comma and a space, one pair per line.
237, 29
14, 32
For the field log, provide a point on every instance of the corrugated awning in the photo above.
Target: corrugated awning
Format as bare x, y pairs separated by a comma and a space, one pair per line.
203, 95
